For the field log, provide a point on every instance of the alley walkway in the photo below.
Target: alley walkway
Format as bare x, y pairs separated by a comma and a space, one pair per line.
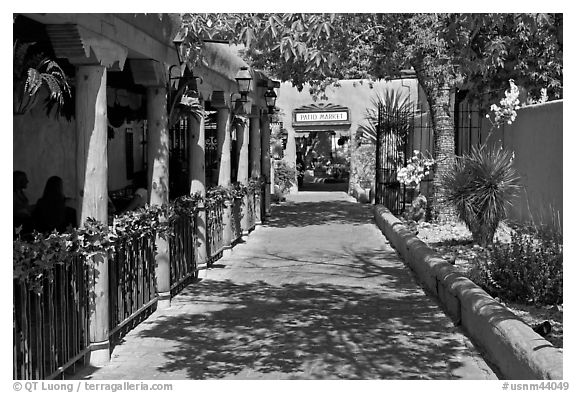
317, 293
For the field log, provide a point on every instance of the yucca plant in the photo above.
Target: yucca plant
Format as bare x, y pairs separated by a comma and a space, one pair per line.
33, 70
481, 185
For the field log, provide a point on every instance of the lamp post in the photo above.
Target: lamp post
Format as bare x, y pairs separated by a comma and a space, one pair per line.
243, 79
270, 97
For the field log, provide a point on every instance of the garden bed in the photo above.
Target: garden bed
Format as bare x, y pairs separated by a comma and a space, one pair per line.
453, 242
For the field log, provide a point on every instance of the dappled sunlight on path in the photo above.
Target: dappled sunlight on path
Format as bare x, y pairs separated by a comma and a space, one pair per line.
316, 293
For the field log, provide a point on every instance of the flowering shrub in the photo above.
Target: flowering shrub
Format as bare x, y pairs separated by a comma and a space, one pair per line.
417, 168
528, 269
509, 104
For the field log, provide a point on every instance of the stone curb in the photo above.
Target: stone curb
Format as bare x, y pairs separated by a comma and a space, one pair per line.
508, 343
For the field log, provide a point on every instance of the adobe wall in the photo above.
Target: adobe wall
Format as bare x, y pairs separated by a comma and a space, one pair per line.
536, 139
44, 146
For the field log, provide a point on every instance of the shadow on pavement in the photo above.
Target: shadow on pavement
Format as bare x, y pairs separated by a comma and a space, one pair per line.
271, 329
300, 214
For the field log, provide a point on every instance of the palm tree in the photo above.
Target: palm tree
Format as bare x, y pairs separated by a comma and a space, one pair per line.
33, 70
395, 110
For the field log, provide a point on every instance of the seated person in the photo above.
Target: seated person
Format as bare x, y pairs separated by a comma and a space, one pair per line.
22, 210
51, 212
140, 197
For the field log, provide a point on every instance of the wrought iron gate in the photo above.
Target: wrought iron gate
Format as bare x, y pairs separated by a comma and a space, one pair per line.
391, 146
398, 134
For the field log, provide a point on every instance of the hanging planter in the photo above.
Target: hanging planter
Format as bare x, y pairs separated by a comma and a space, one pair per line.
32, 72
116, 115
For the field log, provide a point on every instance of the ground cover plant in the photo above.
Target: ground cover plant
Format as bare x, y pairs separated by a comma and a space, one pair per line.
522, 269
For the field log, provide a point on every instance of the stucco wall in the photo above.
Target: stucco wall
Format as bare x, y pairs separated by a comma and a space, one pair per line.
44, 147
536, 139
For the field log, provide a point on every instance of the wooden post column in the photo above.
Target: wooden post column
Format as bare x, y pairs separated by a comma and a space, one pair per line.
243, 139
266, 169
255, 154
224, 168
92, 183
290, 157
197, 133
158, 153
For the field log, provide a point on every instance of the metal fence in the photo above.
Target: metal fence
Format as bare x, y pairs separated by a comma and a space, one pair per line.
51, 327
51, 324
132, 282
214, 231
183, 251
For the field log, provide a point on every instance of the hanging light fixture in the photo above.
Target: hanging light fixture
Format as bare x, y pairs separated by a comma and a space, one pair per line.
243, 79
178, 41
270, 97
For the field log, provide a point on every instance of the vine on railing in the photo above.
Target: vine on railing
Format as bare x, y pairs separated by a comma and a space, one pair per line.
36, 255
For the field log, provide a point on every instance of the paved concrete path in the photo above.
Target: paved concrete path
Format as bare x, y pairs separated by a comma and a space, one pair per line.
316, 294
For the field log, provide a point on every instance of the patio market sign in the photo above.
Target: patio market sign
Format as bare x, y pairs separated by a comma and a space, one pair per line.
321, 115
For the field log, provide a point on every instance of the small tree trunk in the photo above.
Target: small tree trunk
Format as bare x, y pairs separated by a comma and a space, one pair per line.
438, 96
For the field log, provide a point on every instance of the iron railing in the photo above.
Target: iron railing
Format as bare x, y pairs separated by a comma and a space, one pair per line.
132, 282
183, 251
51, 325
51, 321
214, 231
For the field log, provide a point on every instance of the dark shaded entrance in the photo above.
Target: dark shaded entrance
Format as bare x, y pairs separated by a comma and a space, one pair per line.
322, 136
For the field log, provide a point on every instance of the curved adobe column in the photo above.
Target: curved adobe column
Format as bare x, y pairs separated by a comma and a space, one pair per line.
255, 144
92, 183
255, 155
266, 169
243, 139
197, 170
158, 153
290, 156
224, 167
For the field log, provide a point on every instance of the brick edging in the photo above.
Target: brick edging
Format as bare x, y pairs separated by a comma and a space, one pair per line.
512, 346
